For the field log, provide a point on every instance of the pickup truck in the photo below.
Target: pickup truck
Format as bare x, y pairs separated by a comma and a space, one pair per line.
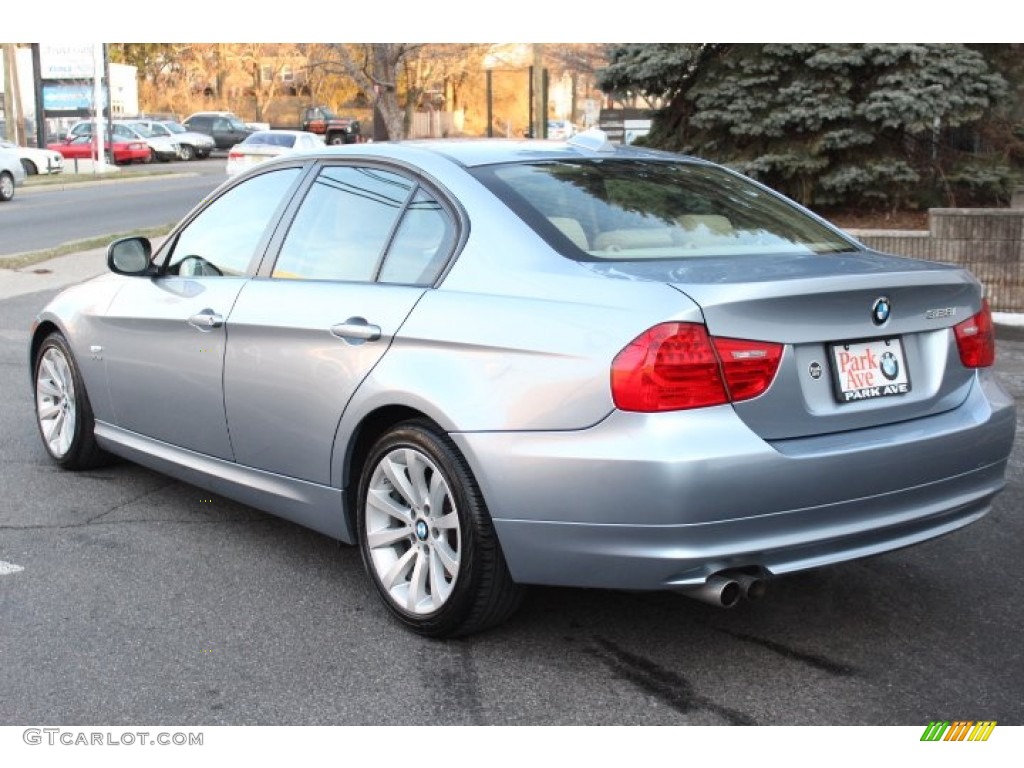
334, 129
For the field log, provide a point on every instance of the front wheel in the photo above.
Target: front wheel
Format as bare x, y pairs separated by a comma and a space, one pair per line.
30, 167
63, 412
426, 537
186, 153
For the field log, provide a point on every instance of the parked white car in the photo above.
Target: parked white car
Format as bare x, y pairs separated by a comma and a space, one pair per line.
35, 161
264, 145
11, 173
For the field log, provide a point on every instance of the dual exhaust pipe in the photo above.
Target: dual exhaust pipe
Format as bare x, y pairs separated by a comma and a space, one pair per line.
727, 588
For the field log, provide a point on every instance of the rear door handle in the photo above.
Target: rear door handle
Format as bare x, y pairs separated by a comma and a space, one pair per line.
206, 320
356, 330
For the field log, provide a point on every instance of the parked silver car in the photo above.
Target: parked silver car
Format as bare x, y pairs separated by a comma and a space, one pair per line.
192, 145
496, 363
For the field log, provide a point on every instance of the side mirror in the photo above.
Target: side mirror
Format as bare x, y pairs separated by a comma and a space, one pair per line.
130, 256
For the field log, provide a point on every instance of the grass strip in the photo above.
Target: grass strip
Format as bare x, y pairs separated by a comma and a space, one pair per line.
102, 241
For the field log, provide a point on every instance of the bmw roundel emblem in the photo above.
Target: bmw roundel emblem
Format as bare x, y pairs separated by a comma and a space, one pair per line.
890, 366
881, 310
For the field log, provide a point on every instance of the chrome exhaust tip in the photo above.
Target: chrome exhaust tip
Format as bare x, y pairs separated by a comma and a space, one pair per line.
753, 587
718, 590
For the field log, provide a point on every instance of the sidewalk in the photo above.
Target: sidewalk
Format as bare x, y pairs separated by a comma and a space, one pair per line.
58, 272
54, 273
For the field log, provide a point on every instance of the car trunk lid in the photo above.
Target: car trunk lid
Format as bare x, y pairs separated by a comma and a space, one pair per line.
843, 366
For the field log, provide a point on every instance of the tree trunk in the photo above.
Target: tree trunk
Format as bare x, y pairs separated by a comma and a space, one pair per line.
385, 75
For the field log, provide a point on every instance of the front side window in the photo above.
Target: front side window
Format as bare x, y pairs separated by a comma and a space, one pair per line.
344, 224
618, 210
222, 239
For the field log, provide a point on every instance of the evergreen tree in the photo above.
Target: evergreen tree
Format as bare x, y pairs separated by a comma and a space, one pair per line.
865, 124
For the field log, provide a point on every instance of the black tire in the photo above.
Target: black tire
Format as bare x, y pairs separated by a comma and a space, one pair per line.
111, 158
59, 388
6, 187
30, 167
336, 139
481, 593
186, 152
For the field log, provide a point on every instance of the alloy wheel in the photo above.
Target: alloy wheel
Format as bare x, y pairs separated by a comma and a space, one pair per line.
56, 404
412, 534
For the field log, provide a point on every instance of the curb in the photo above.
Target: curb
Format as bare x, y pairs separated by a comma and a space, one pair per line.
35, 189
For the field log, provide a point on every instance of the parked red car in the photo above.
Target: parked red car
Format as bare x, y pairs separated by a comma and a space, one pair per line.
120, 152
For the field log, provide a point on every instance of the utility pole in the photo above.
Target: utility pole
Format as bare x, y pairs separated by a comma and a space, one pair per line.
11, 116
538, 128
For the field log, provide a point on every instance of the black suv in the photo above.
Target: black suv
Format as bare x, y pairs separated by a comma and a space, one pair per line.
225, 128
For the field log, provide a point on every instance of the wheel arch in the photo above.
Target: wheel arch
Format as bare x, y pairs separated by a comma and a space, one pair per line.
367, 432
41, 331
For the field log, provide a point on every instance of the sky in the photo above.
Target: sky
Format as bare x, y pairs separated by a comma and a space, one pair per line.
537, 21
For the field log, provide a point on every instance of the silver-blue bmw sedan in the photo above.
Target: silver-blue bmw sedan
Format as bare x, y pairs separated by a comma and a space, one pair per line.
496, 363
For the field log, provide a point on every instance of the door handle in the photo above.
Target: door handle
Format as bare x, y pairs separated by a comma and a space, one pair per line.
356, 330
206, 320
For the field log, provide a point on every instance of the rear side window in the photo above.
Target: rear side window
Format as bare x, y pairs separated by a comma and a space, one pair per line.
343, 225
618, 210
365, 224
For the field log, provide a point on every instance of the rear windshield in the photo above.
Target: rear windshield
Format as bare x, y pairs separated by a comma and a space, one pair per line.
620, 210
272, 139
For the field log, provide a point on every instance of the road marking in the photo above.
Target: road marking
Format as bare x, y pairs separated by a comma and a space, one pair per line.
6, 568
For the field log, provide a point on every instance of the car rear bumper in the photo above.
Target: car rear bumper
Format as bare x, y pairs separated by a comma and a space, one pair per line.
663, 501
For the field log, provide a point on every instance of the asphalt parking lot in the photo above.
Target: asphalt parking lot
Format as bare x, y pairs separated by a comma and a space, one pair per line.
140, 599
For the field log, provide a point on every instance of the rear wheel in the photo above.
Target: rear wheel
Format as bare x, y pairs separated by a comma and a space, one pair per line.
63, 412
426, 537
6, 187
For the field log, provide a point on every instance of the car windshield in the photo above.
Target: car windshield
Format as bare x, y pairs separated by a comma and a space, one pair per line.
142, 129
175, 127
236, 125
618, 209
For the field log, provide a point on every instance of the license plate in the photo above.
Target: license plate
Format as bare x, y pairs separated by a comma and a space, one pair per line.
866, 370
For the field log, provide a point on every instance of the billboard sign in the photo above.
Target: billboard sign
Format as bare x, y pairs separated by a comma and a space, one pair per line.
68, 98
67, 61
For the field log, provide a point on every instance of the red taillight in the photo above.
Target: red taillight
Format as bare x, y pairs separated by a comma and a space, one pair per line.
235, 155
749, 366
674, 366
976, 339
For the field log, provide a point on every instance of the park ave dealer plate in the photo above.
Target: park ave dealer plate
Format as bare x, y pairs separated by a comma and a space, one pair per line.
865, 370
